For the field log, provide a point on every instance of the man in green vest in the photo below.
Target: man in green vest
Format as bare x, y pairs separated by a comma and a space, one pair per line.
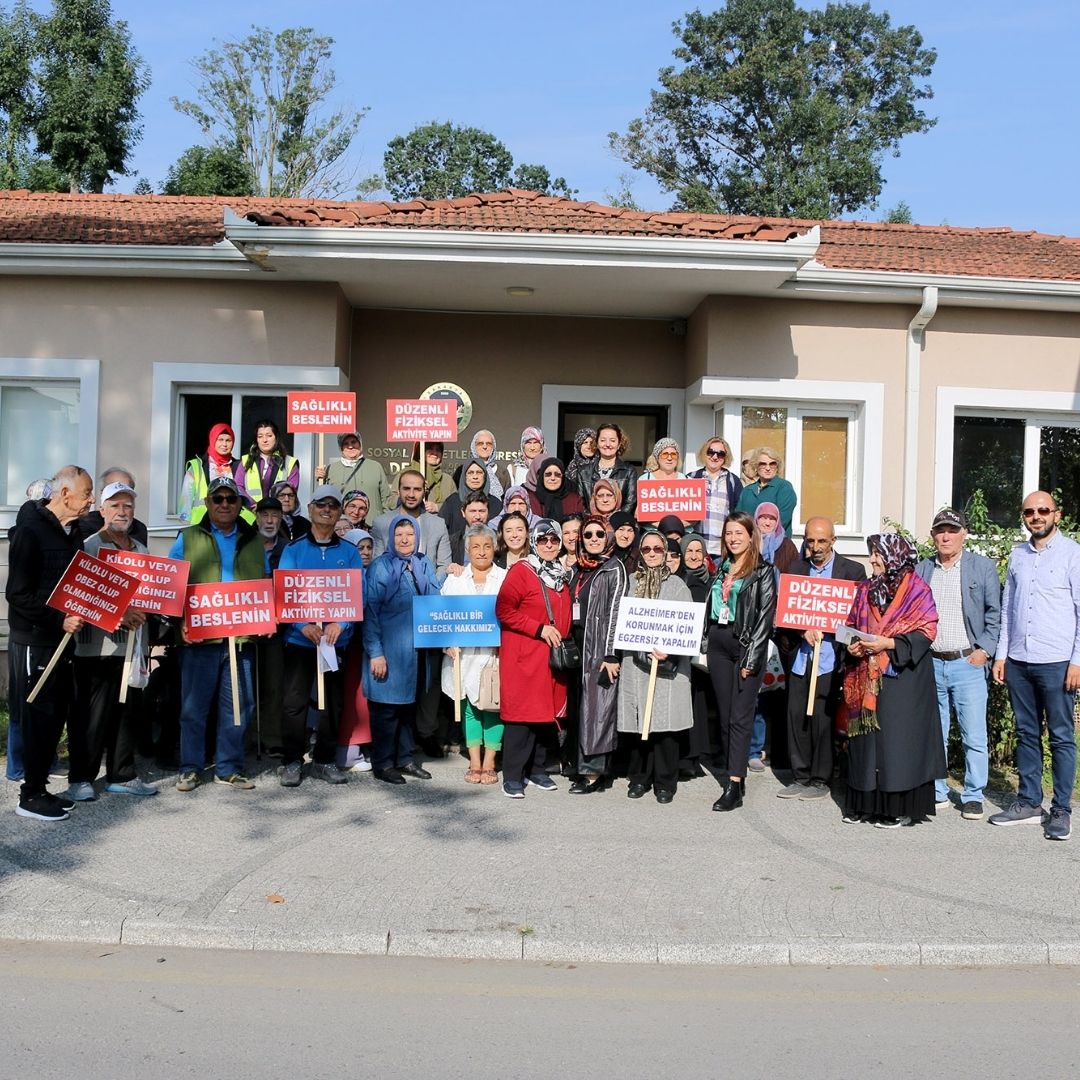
219, 548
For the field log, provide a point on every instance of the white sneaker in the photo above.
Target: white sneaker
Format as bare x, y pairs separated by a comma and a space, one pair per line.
81, 792
362, 764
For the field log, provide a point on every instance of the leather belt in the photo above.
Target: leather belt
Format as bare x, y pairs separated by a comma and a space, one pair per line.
955, 654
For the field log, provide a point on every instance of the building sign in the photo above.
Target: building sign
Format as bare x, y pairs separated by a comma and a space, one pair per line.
448, 390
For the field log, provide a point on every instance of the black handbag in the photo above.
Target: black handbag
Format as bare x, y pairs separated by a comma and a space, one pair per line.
565, 656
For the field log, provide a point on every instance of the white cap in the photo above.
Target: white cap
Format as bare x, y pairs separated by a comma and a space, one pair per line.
118, 487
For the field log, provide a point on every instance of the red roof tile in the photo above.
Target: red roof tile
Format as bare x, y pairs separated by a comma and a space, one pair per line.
193, 222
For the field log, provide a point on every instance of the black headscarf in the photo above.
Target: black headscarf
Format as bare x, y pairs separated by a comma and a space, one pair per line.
551, 501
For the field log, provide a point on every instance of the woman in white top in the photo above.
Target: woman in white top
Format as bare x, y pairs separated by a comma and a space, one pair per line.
483, 729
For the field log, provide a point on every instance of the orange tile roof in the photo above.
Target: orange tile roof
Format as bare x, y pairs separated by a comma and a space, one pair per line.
192, 221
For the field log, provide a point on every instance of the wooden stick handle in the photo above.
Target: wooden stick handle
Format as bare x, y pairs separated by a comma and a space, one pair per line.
813, 679
234, 679
457, 688
127, 665
646, 723
320, 678
49, 667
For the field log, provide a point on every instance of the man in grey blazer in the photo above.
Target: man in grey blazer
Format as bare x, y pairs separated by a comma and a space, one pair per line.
967, 594
434, 539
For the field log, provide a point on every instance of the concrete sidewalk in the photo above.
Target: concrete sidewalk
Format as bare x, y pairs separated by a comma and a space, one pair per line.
443, 868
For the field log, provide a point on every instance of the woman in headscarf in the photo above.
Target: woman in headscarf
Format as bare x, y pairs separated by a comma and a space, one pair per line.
605, 498
655, 761
776, 545
742, 603
395, 673
554, 496
674, 557
438, 485
216, 461
532, 693
516, 501
626, 537
895, 751
584, 452
483, 448
612, 446
664, 461
513, 539
472, 478
354, 731
697, 574
598, 584
356, 508
293, 523
532, 447
267, 462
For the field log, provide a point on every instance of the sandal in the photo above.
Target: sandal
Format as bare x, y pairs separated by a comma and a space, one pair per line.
489, 776
472, 776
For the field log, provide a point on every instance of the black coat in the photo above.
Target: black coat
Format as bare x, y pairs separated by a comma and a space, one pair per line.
754, 613
622, 475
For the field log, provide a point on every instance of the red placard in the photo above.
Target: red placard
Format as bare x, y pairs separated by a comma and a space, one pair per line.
162, 582
229, 609
421, 420
319, 595
683, 498
94, 591
320, 410
806, 603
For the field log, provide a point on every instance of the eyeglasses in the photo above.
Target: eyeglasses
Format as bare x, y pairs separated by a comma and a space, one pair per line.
652, 549
326, 504
1042, 511
548, 539
224, 498
716, 453
603, 493
594, 535
552, 473
767, 464
669, 453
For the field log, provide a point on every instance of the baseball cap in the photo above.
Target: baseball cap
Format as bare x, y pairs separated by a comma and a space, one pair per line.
118, 487
949, 516
326, 491
223, 483
268, 504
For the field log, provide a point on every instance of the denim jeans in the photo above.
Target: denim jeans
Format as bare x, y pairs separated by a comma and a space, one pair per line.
205, 683
757, 733
963, 686
1038, 690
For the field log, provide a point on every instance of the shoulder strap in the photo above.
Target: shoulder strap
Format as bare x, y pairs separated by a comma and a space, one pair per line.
544, 594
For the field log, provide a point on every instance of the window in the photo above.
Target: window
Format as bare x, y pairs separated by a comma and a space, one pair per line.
642, 425
39, 434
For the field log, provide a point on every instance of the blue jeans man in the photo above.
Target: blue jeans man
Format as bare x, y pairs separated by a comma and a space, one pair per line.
962, 685
205, 684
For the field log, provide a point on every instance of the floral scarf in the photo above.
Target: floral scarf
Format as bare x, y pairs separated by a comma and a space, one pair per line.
647, 580
552, 573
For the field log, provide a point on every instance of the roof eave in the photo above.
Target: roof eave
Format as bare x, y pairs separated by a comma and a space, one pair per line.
121, 260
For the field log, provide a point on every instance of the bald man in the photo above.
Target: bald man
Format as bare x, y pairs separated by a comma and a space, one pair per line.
1038, 659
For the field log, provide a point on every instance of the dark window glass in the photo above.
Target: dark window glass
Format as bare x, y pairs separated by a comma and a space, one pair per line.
988, 454
1059, 462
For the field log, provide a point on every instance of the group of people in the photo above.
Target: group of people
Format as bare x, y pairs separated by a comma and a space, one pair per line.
558, 546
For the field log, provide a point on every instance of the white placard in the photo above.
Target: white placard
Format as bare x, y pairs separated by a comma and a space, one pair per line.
668, 626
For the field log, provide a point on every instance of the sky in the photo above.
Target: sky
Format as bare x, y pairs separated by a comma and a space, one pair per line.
551, 80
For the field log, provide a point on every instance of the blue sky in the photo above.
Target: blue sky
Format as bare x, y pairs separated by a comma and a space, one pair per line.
551, 80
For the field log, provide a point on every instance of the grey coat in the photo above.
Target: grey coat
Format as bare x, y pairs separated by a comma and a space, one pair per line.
672, 708
981, 593
599, 704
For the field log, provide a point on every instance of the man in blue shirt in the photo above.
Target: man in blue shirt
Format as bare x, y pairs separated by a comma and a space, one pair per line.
1038, 658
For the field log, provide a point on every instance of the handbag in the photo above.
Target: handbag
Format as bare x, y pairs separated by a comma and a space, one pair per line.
488, 698
773, 677
566, 656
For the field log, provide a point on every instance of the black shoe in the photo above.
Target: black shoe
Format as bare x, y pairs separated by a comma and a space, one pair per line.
732, 797
584, 786
62, 801
389, 776
664, 796
635, 791
41, 807
414, 770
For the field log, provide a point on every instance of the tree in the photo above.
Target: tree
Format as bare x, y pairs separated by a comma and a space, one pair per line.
263, 98
17, 47
776, 110
213, 170
86, 121
900, 214
444, 161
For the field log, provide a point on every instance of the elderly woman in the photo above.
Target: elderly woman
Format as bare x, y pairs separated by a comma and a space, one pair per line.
353, 470
532, 447
293, 523
770, 487
554, 496
513, 539
217, 460
722, 489
516, 501
698, 574
267, 462
395, 673
438, 485
356, 509
612, 445
664, 461
483, 448
483, 729
534, 611
776, 545
626, 538
605, 499
598, 583
655, 761
895, 751
472, 478
584, 452
742, 602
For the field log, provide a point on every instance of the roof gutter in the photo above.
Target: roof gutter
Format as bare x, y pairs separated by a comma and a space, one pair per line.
916, 336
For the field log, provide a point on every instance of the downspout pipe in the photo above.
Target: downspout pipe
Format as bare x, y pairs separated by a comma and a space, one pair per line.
915, 338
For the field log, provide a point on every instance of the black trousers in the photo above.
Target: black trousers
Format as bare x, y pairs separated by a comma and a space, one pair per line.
523, 752
42, 721
269, 692
736, 698
431, 716
810, 738
299, 675
101, 726
655, 761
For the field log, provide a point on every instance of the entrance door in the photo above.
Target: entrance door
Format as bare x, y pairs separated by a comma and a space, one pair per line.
643, 424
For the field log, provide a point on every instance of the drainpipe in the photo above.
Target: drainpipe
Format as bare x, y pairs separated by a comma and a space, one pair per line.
915, 338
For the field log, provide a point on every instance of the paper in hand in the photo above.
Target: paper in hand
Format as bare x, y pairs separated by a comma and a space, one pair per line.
327, 657
847, 634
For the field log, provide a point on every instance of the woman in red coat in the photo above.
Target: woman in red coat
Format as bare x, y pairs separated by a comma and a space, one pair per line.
531, 692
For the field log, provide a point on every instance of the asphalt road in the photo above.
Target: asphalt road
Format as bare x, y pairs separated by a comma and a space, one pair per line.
84, 1011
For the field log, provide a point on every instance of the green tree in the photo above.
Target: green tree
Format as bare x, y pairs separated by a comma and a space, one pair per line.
265, 97
209, 170
86, 121
17, 50
539, 178
900, 214
777, 110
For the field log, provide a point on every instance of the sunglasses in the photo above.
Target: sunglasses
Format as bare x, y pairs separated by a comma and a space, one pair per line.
548, 540
767, 464
715, 453
594, 535
1042, 511
224, 498
651, 549
326, 504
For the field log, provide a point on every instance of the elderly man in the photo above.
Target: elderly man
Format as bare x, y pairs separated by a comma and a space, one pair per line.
320, 549
268, 522
967, 596
810, 738
93, 521
45, 539
1038, 658
221, 547
101, 725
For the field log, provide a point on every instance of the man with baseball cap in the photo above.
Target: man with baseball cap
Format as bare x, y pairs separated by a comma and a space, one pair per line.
968, 599
221, 547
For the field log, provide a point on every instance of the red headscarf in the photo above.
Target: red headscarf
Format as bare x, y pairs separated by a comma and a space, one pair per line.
211, 449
